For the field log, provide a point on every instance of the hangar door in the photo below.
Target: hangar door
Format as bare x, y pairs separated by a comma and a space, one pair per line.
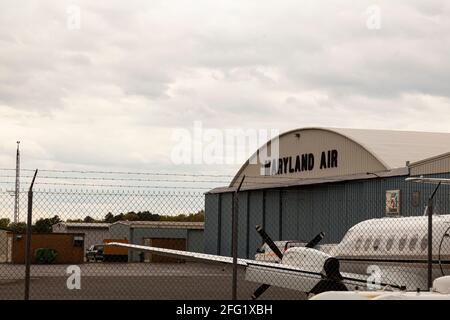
175, 244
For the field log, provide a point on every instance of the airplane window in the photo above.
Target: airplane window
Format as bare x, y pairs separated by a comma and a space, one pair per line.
402, 243
389, 244
413, 242
367, 243
358, 243
424, 243
376, 244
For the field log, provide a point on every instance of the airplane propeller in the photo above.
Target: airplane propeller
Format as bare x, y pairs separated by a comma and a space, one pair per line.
269, 241
331, 265
311, 244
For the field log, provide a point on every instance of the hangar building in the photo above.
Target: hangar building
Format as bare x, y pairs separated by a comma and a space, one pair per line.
165, 234
324, 179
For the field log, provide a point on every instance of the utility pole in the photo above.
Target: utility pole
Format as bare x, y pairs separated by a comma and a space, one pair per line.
16, 194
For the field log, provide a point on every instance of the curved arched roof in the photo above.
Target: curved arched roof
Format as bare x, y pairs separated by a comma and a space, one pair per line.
397, 147
392, 149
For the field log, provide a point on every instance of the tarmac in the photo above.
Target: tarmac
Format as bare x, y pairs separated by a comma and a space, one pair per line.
132, 281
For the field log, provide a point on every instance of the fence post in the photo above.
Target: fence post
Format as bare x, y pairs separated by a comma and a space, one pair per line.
430, 210
234, 237
28, 243
430, 244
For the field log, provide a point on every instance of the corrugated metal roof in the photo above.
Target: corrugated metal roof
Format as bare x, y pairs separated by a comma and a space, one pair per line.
431, 160
394, 148
163, 224
305, 182
84, 224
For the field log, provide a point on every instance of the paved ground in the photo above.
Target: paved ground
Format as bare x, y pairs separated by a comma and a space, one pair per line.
185, 281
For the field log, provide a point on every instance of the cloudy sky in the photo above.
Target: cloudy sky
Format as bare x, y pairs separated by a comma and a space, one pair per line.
104, 84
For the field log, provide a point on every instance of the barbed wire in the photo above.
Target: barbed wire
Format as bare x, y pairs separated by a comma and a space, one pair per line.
115, 185
271, 176
245, 184
101, 185
247, 177
115, 179
123, 172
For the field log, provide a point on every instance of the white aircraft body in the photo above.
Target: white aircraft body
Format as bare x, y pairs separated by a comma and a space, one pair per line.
440, 291
377, 253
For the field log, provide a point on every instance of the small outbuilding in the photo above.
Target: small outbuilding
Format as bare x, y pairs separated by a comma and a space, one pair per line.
165, 234
69, 247
94, 233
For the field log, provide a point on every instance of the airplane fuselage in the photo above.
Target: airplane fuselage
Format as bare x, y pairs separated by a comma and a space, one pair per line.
396, 249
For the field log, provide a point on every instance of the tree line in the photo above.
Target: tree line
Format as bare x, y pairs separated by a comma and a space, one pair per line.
44, 225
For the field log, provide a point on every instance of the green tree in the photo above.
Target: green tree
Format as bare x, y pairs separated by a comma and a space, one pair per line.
148, 216
19, 227
109, 218
44, 225
119, 217
131, 216
193, 217
89, 219
4, 223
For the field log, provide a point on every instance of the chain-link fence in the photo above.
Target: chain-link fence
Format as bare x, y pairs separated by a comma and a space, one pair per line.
289, 242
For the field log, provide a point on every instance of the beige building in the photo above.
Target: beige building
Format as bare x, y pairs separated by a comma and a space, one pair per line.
322, 153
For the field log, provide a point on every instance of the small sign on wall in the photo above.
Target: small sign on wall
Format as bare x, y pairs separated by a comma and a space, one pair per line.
393, 202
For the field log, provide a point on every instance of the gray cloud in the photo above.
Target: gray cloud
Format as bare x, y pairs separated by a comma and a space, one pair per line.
110, 93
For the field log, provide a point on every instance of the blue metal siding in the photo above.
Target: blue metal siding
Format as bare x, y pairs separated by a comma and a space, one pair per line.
256, 218
195, 241
320, 210
211, 232
242, 225
140, 233
305, 227
337, 216
119, 231
290, 209
272, 213
225, 231
332, 208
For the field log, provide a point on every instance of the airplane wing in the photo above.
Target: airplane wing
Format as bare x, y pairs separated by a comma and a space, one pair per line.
275, 274
204, 257
209, 258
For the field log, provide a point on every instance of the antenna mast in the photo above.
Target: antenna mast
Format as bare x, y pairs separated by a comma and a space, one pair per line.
16, 194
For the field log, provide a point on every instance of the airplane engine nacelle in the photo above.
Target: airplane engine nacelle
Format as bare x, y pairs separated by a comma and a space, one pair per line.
307, 259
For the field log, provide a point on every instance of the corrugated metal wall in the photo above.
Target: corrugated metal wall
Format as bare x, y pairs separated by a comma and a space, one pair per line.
303, 212
195, 241
194, 238
437, 165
